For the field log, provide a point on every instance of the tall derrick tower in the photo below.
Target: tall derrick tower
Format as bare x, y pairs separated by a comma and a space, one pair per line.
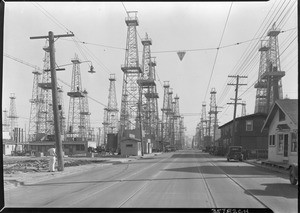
131, 73
204, 121
212, 114
45, 112
110, 123
166, 108
74, 127
272, 74
152, 100
176, 118
181, 132
261, 85
85, 125
5, 124
149, 93
145, 82
34, 121
170, 120
12, 113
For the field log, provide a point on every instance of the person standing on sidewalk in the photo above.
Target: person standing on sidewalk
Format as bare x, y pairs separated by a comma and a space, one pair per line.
52, 159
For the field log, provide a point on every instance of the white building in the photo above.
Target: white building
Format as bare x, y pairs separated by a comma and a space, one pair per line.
282, 125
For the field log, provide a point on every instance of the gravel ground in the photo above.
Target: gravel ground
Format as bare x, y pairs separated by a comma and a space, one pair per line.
20, 170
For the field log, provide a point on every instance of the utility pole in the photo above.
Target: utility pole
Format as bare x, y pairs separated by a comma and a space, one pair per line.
237, 84
51, 37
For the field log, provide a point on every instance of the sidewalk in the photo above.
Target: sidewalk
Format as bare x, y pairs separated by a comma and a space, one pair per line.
277, 167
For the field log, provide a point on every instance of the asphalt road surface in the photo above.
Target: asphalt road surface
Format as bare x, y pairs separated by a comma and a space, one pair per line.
182, 179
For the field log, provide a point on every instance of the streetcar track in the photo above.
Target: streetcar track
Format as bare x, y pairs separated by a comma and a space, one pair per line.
120, 181
239, 185
206, 186
144, 185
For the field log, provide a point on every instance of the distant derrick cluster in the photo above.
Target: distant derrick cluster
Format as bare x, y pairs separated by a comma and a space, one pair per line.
139, 114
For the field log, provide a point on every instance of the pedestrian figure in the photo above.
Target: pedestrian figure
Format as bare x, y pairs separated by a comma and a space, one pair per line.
52, 159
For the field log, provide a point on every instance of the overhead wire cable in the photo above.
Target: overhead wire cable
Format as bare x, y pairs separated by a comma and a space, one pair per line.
218, 50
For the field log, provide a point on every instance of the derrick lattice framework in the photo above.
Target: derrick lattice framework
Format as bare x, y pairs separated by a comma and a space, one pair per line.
110, 123
131, 73
170, 119
75, 127
269, 86
204, 121
35, 101
45, 111
149, 93
5, 124
12, 116
176, 122
181, 132
85, 125
165, 114
212, 114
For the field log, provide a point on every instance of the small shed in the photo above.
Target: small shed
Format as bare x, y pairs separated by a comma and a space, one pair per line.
282, 126
131, 146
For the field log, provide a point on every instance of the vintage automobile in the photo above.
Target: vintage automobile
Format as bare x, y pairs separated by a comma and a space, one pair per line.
235, 152
293, 173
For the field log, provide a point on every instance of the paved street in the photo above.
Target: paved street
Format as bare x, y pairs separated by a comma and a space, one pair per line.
182, 179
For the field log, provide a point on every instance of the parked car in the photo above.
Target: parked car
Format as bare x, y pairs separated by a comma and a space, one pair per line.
294, 174
235, 152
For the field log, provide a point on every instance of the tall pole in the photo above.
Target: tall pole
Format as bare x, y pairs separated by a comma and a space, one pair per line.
58, 141
237, 84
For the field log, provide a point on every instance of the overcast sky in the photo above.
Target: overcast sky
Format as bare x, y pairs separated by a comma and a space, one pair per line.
189, 26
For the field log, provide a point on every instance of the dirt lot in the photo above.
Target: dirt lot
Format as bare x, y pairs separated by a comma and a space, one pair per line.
20, 170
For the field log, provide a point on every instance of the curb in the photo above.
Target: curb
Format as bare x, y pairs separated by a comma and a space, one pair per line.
285, 172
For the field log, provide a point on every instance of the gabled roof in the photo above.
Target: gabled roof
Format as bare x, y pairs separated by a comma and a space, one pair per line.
251, 116
288, 106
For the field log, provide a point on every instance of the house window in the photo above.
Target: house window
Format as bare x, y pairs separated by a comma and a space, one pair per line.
280, 143
249, 125
139, 146
294, 145
281, 115
79, 147
129, 145
271, 140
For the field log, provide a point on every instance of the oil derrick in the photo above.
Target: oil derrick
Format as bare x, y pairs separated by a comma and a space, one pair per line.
131, 73
45, 112
176, 121
5, 124
13, 118
212, 114
166, 108
152, 100
243, 108
204, 122
181, 132
149, 93
145, 82
110, 123
85, 125
74, 127
61, 112
273, 73
261, 85
34, 121
170, 120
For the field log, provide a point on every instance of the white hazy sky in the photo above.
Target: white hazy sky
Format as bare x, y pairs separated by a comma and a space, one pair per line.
172, 26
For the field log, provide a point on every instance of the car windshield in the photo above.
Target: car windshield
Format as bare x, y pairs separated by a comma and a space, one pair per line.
235, 149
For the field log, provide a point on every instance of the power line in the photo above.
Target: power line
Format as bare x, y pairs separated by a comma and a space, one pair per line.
218, 51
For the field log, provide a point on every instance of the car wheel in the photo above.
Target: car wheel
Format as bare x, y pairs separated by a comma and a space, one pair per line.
293, 179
